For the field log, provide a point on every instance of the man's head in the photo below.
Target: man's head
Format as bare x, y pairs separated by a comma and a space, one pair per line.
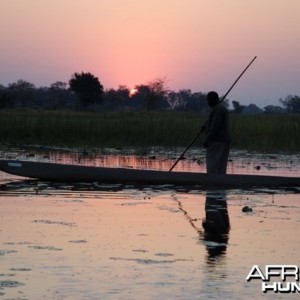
212, 98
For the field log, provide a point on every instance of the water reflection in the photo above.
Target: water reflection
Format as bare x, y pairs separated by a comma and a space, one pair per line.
216, 224
241, 162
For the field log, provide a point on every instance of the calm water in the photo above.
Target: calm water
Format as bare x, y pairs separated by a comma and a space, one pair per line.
95, 241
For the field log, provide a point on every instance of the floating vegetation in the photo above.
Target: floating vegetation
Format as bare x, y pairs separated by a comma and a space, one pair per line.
51, 248
4, 252
140, 250
10, 283
20, 269
18, 243
54, 222
7, 275
78, 241
164, 254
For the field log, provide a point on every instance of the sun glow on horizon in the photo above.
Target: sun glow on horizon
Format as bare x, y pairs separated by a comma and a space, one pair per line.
132, 92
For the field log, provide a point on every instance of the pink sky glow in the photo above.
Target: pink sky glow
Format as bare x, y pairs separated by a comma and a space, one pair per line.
200, 45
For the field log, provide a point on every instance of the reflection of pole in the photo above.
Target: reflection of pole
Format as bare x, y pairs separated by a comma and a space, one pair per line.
203, 127
189, 218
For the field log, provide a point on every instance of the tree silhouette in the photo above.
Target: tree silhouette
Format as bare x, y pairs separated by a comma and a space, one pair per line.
237, 107
291, 103
87, 87
155, 98
22, 93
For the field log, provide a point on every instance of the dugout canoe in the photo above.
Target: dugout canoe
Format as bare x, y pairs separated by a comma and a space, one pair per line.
77, 173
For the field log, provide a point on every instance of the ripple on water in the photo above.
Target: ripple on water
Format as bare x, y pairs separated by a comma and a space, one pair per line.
149, 261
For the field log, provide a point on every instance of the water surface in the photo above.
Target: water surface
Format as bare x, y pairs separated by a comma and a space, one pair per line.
96, 241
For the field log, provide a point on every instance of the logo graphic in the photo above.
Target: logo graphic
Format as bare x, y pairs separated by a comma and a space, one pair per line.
277, 278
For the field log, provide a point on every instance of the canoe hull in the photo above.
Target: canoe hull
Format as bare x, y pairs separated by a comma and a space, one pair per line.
76, 173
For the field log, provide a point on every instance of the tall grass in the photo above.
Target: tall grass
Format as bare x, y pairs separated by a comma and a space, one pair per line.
266, 132
142, 129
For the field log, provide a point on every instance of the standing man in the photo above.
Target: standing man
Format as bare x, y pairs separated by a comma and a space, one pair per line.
217, 140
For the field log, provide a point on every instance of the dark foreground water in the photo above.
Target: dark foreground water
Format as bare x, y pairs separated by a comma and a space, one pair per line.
95, 241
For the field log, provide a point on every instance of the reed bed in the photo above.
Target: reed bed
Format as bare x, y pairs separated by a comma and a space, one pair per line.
143, 129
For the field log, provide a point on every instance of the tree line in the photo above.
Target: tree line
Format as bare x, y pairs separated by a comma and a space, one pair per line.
85, 92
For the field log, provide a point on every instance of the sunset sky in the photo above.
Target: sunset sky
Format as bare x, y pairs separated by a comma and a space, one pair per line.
200, 45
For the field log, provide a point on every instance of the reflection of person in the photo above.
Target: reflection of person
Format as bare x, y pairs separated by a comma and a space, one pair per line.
216, 224
217, 138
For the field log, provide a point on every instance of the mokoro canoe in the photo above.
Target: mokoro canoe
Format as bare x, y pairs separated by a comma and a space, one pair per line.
77, 173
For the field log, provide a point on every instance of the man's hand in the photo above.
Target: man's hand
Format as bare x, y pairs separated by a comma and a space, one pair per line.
203, 128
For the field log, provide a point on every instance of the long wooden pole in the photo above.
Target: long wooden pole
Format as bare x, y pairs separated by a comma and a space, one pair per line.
203, 127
